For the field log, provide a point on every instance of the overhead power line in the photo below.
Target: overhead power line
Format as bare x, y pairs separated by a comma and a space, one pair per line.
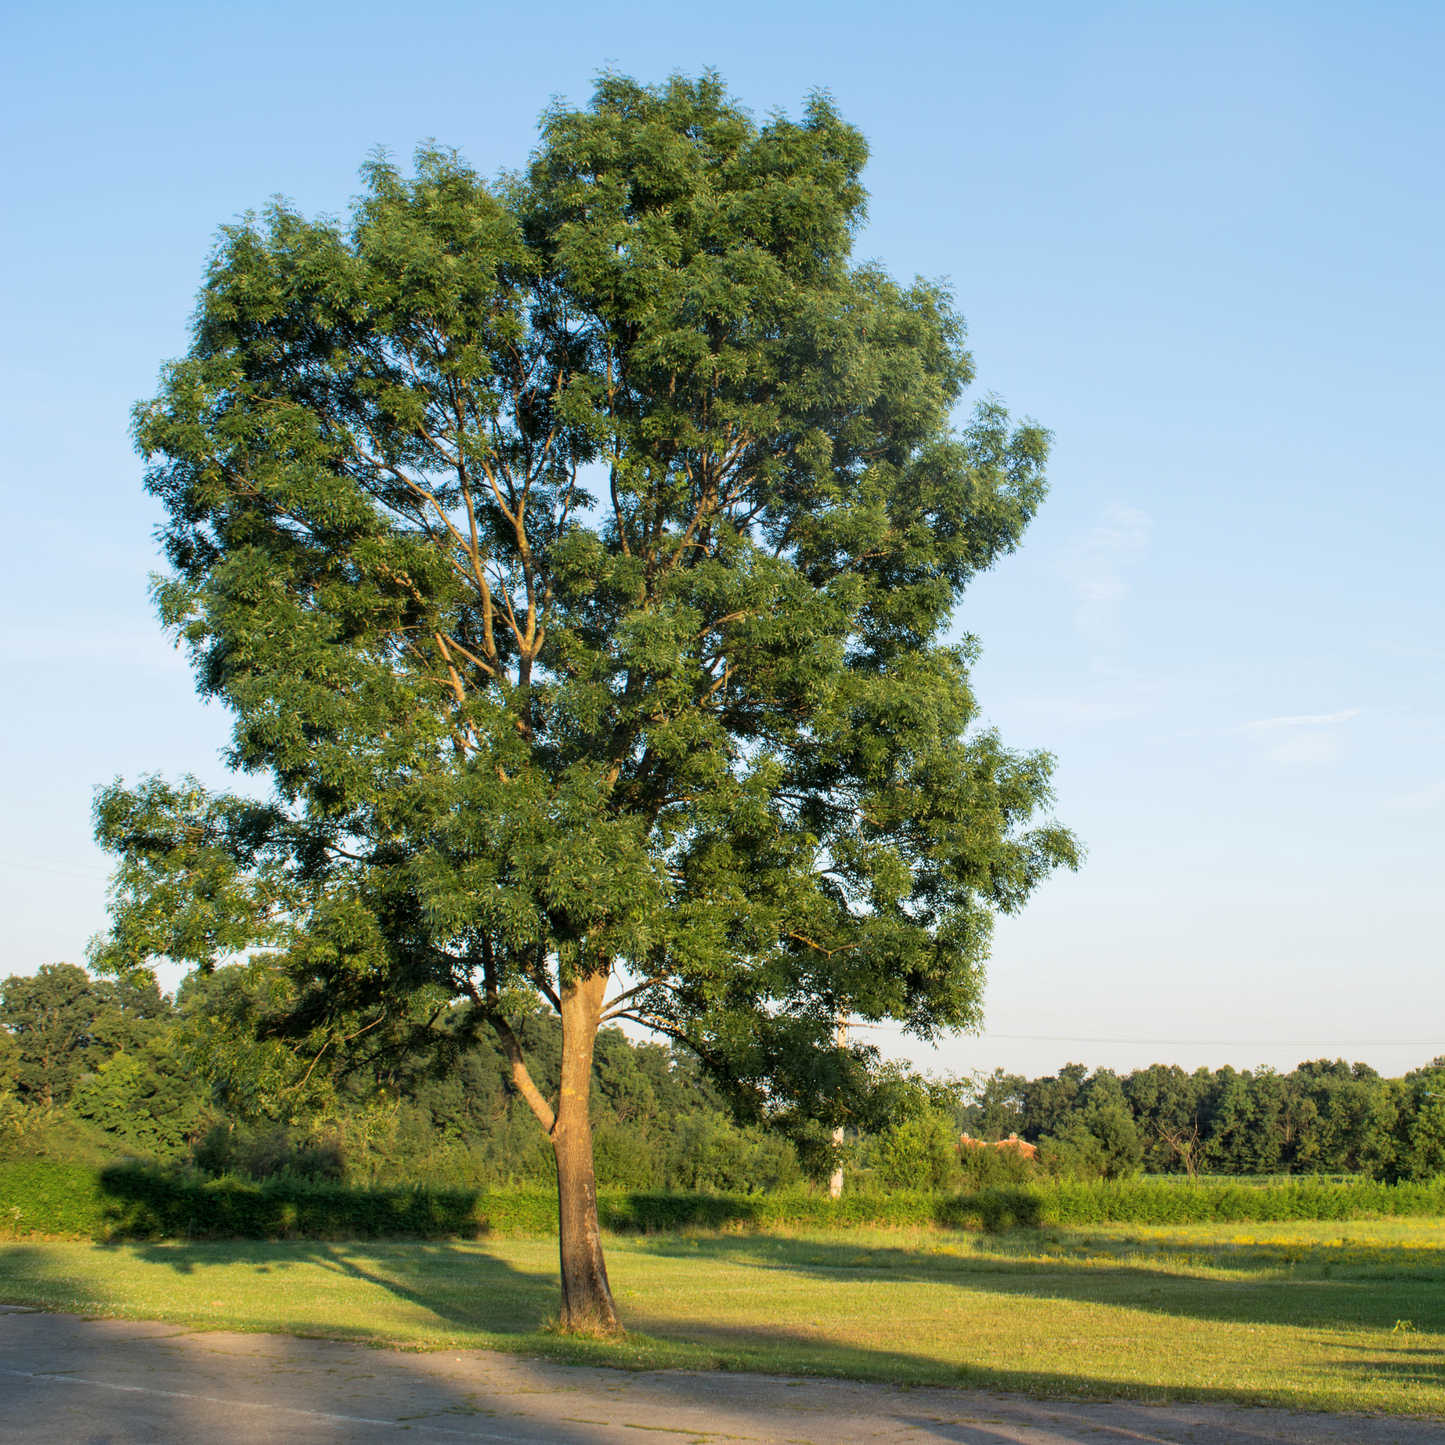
1233, 1043
48, 807
32, 868
1134, 1000
41, 858
1184, 1043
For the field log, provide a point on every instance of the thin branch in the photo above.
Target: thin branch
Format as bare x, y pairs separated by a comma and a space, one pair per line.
610, 1009
465, 652
345, 1039
656, 1027
818, 947
458, 690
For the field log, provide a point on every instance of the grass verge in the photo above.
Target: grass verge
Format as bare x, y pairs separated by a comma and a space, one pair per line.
1305, 1315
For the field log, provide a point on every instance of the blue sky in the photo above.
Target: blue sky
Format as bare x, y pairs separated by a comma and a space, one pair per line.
1201, 243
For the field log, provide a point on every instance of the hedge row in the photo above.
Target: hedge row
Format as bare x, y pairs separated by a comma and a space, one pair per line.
1054, 1202
1136, 1201
130, 1201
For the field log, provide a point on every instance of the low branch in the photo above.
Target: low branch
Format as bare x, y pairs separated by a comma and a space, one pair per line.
538, 978
611, 1010
520, 1077
656, 1027
511, 1045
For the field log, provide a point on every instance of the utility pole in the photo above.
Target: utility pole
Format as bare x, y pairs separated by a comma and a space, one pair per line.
835, 1184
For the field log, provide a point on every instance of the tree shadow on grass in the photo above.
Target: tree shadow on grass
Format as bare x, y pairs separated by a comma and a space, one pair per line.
490, 1302
1302, 1285
743, 1349
1413, 1365
478, 1292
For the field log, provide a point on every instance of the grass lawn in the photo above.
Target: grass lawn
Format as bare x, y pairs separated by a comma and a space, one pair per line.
1321, 1316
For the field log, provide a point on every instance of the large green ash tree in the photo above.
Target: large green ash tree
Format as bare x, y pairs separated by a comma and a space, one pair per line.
576, 556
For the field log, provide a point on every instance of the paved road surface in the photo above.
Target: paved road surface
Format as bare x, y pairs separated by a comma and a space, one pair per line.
71, 1381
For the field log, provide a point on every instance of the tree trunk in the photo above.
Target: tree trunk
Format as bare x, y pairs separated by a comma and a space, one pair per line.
586, 1295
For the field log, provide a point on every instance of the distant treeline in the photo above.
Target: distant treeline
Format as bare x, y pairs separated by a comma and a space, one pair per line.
94, 1070
1325, 1117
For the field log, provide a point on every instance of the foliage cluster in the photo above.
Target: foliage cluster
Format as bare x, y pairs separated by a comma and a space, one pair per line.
1324, 1117
576, 557
196, 1080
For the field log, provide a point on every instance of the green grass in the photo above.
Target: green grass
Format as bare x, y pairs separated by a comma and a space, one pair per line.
1312, 1315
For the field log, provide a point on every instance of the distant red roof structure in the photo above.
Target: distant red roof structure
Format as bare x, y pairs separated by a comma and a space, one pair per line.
1029, 1151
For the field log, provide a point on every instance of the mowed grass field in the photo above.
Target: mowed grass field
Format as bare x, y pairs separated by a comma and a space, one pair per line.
1319, 1316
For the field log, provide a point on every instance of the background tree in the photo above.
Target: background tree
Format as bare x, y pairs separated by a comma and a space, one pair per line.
1049, 1101
144, 1100
1173, 1110
1353, 1114
1415, 1148
576, 559
996, 1108
9, 1062
1097, 1135
62, 1024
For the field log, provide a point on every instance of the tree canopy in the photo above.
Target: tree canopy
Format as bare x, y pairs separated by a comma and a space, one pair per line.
576, 555
61, 1025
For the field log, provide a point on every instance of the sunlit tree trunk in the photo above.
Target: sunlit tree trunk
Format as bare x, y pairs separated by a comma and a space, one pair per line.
586, 1295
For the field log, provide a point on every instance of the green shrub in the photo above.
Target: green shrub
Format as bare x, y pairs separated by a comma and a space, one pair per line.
919, 1153
155, 1202
140, 1201
1136, 1201
33, 1131
50, 1196
623, 1158
142, 1101
712, 1154
983, 1166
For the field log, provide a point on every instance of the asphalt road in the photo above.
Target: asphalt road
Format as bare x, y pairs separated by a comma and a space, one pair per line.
71, 1381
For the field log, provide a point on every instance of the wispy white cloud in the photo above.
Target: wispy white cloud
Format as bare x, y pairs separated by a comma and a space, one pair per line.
1426, 798
1305, 720
1094, 566
1301, 740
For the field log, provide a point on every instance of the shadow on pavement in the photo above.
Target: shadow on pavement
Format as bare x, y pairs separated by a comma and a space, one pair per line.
480, 1293
110, 1382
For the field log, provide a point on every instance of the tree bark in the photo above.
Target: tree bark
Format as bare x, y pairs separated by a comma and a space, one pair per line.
586, 1295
